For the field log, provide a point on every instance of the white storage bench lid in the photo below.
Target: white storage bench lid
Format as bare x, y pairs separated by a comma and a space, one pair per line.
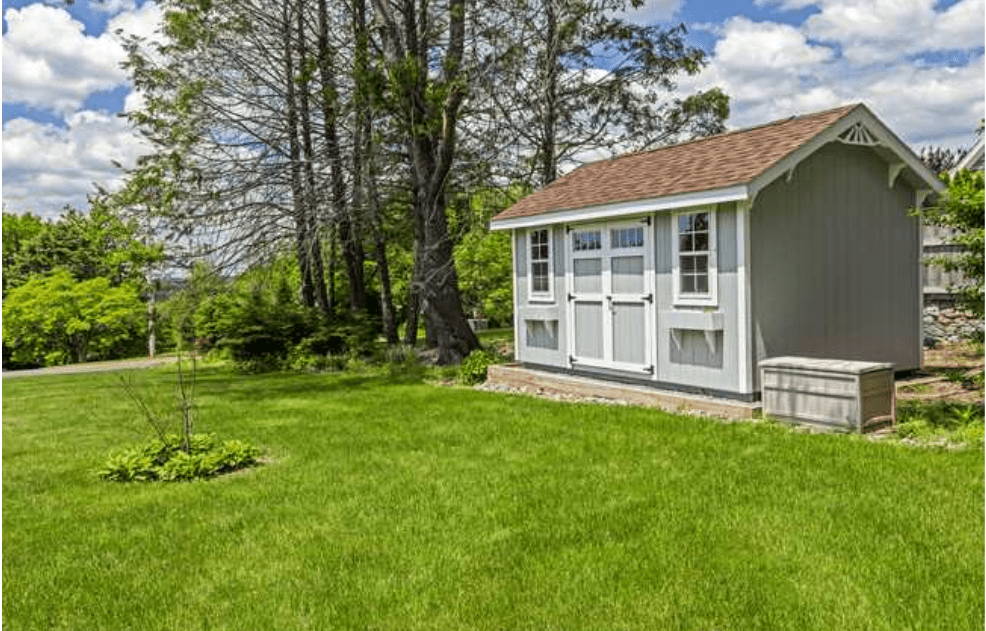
843, 366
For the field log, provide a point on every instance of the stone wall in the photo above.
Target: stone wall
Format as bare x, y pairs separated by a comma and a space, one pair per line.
944, 323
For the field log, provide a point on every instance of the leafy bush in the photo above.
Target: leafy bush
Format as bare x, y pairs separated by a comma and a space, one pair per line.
473, 368
167, 461
55, 319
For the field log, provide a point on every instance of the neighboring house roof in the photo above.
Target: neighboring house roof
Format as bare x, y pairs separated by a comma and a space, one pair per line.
726, 167
973, 159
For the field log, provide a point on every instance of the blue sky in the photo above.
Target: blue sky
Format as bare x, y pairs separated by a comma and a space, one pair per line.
918, 64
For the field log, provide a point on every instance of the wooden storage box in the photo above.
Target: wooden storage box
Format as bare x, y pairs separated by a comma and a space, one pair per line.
844, 395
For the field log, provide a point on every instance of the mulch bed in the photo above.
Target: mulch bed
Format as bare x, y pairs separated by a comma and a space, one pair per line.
948, 375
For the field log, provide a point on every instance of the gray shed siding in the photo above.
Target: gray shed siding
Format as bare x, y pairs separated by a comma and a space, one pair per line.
538, 343
693, 364
835, 270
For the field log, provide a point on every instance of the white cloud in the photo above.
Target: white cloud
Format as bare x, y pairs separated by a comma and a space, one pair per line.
112, 6
50, 63
46, 167
749, 47
774, 70
876, 31
653, 11
143, 22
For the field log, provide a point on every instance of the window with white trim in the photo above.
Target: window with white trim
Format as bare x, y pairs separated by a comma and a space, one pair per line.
693, 248
539, 267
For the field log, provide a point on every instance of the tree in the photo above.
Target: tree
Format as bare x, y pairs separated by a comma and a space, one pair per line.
97, 244
577, 81
424, 48
939, 159
18, 232
961, 208
55, 319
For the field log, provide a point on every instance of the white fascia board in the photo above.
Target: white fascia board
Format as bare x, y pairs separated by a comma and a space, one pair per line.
624, 209
972, 156
861, 114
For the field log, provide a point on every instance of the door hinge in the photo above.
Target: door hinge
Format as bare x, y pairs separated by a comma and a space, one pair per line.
571, 297
649, 369
571, 359
645, 220
649, 298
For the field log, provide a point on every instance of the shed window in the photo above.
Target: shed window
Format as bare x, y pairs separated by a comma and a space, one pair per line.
626, 237
540, 270
585, 240
695, 257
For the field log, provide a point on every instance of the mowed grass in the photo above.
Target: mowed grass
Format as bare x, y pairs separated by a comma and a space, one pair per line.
388, 503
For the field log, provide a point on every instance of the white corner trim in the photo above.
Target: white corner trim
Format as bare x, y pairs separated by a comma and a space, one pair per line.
514, 273
744, 294
625, 209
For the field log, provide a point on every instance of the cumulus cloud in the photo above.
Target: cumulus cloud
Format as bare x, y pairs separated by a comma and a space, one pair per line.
50, 63
877, 31
46, 166
772, 70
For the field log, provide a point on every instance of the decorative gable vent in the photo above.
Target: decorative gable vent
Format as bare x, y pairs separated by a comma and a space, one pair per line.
858, 134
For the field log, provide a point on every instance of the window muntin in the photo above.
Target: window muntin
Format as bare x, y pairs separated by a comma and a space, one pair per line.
632, 237
540, 263
586, 240
694, 252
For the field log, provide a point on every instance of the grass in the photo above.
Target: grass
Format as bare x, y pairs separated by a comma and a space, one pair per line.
388, 503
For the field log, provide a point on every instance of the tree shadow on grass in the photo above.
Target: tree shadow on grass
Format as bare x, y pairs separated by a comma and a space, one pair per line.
290, 384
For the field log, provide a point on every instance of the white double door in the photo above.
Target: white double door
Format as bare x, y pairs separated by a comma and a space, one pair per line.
610, 279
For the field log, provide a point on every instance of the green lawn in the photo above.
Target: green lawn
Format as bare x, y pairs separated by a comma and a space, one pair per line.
393, 504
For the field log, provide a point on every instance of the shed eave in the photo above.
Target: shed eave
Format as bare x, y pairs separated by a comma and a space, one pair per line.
623, 209
884, 136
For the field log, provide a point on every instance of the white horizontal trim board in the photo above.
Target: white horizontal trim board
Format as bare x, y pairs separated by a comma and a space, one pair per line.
625, 209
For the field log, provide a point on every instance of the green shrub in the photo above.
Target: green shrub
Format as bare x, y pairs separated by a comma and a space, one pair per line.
473, 368
206, 457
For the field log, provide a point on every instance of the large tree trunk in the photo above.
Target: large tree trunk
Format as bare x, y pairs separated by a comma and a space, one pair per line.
549, 102
431, 140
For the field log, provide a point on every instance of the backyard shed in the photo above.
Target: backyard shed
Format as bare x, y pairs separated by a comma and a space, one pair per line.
686, 266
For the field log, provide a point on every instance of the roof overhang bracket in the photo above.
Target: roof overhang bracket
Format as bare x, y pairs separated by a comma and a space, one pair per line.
790, 174
920, 195
894, 170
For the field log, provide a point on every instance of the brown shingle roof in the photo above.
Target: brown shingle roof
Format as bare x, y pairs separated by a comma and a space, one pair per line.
705, 164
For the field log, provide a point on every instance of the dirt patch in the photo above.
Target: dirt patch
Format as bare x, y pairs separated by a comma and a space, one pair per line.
951, 372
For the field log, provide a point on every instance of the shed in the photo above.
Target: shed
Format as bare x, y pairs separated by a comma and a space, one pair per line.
685, 266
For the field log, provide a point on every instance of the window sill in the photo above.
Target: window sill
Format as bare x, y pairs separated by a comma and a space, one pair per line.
708, 302
693, 320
